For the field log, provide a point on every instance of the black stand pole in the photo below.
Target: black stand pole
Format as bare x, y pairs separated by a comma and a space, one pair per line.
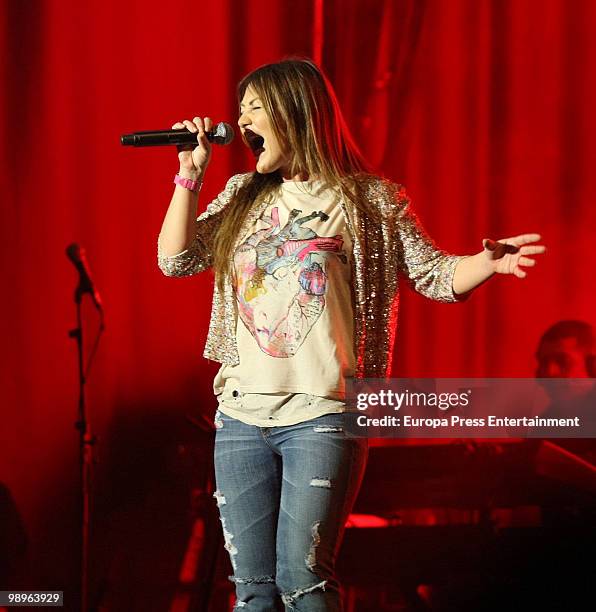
87, 440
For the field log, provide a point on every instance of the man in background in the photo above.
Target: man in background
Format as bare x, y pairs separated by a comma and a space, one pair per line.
567, 350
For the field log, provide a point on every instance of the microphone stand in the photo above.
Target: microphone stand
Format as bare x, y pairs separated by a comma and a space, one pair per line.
87, 441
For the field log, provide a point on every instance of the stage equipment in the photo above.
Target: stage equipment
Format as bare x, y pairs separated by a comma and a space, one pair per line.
76, 254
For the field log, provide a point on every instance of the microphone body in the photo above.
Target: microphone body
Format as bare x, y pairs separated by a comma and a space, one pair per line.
222, 134
76, 254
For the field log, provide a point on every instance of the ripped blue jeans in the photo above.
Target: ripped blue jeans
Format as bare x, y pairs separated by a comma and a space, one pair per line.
284, 494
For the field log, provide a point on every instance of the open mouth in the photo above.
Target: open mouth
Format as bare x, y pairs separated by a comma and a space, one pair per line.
255, 142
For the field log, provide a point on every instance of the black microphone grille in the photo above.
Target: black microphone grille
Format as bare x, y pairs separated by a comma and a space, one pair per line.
222, 134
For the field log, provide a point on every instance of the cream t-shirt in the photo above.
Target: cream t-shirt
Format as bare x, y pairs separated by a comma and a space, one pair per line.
295, 325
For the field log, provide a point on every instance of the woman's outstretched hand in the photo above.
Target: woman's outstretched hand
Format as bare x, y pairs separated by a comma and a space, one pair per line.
511, 255
506, 256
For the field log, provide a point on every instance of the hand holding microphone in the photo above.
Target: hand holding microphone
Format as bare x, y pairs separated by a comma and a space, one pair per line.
185, 134
195, 159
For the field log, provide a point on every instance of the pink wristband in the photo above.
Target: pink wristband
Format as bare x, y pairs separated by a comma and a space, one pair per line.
188, 183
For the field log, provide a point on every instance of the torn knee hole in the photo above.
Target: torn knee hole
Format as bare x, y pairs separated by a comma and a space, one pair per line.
228, 545
290, 598
220, 498
321, 482
311, 557
252, 579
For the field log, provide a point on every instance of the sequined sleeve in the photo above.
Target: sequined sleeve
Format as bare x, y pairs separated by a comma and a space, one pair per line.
429, 269
198, 256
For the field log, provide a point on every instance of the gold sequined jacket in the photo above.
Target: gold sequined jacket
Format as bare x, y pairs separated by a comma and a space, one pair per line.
380, 250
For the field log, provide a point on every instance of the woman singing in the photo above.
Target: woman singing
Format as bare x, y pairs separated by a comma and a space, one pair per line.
306, 250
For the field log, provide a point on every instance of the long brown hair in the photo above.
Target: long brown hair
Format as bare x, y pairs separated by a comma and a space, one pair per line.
306, 119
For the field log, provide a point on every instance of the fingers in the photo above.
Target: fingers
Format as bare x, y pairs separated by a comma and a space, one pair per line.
517, 244
532, 250
196, 126
523, 261
202, 127
526, 261
522, 239
511, 254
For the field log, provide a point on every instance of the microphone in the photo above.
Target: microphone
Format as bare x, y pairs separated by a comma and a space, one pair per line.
221, 134
76, 254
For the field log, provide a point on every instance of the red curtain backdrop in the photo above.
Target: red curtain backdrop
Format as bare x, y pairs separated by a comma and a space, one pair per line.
483, 109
